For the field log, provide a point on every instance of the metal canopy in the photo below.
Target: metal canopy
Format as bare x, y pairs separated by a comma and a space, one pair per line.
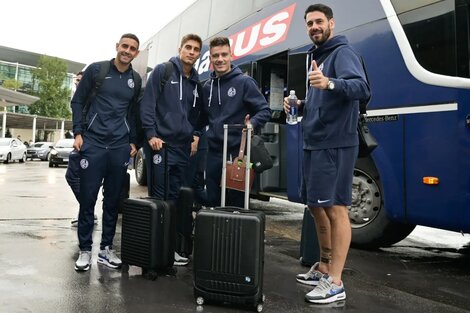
10, 98
25, 121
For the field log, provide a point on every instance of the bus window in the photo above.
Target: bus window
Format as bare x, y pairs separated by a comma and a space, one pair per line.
438, 32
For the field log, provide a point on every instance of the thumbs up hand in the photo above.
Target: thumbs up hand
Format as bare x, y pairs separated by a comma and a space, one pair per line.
316, 77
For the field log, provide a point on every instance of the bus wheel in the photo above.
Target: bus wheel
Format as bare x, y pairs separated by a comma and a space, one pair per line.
371, 228
140, 168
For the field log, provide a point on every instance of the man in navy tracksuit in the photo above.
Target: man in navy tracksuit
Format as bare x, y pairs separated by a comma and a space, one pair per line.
169, 114
230, 97
330, 115
104, 146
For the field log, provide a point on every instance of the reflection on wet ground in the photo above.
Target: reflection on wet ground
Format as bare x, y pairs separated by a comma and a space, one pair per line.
38, 249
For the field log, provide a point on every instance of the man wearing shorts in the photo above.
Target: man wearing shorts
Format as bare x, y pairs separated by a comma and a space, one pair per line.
330, 115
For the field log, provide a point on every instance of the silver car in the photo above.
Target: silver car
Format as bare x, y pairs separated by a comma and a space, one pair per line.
12, 149
60, 152
39, 150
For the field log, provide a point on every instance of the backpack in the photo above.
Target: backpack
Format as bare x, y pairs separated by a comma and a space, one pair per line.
167, 75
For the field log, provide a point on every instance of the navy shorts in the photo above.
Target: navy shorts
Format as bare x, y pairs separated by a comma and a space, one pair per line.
328, 176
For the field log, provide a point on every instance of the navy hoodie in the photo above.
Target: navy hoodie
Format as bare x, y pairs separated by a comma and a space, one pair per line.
107, 125
171, 114
330, 116
227, 100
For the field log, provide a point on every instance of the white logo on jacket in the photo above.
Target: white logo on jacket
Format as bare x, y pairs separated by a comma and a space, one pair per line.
232, 92
84, 163
130, 83
157, 159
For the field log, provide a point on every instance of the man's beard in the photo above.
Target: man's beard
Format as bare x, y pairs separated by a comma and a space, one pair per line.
325, 35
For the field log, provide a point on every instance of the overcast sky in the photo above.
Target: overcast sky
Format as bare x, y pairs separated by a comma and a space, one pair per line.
85, 30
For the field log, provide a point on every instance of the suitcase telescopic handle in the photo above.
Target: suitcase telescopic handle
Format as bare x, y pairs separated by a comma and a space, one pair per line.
249, 129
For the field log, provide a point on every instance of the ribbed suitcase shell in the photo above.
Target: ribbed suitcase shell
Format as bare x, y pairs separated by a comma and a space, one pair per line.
229, 255
148, 233
184, 222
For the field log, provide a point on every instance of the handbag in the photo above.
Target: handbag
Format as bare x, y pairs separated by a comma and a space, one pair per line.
236, 169
260, 156
367, 142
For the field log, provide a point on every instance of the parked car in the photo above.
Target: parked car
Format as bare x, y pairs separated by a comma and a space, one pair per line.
12, 149
60, 152
39, 150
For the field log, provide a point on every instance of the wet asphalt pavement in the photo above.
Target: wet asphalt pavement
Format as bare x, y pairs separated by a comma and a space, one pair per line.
38, 249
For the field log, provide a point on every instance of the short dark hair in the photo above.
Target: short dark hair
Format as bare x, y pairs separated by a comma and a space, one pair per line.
191, 37
219, 41
321, 8
131, 36
79, 73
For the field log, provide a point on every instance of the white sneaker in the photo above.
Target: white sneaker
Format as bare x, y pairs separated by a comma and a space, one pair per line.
84, 261
180, 261
326, 292
109, 258
312, 277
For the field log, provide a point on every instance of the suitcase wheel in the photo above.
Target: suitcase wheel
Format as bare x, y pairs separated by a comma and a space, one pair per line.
149, 274
199, 300
125, 268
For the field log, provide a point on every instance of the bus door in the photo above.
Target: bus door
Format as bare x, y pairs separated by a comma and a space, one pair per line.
271, 75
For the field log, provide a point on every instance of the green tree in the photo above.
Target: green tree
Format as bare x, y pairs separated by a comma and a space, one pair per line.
54, 97
12, 84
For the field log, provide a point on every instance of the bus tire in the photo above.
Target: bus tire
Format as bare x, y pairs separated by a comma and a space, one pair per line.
140, 168
371, 228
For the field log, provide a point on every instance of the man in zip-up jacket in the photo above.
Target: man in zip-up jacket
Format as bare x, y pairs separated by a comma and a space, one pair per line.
230, 97
329, 124
103, 141
169, 114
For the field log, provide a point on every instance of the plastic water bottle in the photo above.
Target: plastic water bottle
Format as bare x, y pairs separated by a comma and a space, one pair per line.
292, 114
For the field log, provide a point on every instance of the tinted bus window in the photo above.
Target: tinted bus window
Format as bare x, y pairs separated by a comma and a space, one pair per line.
432, 28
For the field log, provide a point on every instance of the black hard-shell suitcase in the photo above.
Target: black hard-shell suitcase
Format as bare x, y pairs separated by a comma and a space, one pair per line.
184, 222
228, 257
149, 233
309, 248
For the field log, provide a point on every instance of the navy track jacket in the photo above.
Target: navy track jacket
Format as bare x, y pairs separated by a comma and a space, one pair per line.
107, 124
171, 114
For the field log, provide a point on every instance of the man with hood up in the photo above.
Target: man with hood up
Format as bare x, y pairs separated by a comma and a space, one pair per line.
169, 114
230, 97
329, 124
